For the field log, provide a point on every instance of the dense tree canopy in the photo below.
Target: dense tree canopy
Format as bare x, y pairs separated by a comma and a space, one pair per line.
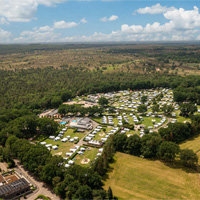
188, 158
103, 101
187, 109
39, 88
142, 108
176, 132
168, 150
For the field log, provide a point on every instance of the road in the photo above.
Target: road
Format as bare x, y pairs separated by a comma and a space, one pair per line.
81, 142
165, 124
41, 188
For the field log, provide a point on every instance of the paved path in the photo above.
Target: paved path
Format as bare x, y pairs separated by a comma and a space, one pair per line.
41, 188
81, 142
165, 124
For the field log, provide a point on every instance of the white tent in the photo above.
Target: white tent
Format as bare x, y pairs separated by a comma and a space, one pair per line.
54, 147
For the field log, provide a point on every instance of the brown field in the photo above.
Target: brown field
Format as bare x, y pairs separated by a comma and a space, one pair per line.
131, 58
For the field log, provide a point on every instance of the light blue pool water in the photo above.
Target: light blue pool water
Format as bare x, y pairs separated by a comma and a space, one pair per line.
62, 122
75, 120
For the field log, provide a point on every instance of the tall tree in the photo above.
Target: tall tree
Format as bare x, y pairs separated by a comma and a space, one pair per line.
103, 101
110, 193
168, 151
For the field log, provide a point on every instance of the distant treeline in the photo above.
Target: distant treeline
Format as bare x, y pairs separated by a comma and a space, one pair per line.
38, 89
183, 57
17, 48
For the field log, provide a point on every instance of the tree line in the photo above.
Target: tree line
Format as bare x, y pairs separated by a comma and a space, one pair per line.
38, 89
24, 124
162, 145
78, 109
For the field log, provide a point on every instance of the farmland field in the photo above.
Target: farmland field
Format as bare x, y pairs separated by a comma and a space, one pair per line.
194, 144
137, 178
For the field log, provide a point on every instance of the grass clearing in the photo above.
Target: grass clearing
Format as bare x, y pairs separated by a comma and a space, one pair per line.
102, 133
64, 146
90, 154
137, 178
148, 121
97, 119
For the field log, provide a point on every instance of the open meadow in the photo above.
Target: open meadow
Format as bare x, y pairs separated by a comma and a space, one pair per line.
194, 144
136, 178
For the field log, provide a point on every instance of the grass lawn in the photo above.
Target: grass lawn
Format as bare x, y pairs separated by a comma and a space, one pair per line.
132, 132
194, 144
64, 146
90, 154
180, 118
97, 119
137, 178
98, 136
115, 120
148, 121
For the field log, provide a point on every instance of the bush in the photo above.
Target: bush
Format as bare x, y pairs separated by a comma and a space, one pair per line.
75, 130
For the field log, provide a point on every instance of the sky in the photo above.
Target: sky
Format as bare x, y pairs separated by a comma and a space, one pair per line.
41, 21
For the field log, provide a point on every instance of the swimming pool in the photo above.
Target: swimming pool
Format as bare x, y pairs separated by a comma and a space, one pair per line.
75, 120
62, 123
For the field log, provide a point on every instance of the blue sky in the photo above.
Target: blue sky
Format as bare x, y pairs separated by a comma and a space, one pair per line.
29, 21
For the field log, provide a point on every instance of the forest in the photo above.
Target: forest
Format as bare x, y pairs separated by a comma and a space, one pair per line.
38, 89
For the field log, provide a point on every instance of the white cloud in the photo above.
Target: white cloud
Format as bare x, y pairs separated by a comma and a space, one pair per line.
83, 20
131, 29
180, 20
42, 34
5, 36
111, 18
184, 19
3, 21
181, 25
45, 28
62, 24
155, 9
23, 10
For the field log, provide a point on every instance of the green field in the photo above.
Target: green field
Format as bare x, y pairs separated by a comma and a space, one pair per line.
148, 121
193, 144
102, 134
63, 147
90, 154
97, 119
137, 178
180, 118
132, 132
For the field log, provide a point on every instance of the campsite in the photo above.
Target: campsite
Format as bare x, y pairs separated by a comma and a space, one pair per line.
122, 110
